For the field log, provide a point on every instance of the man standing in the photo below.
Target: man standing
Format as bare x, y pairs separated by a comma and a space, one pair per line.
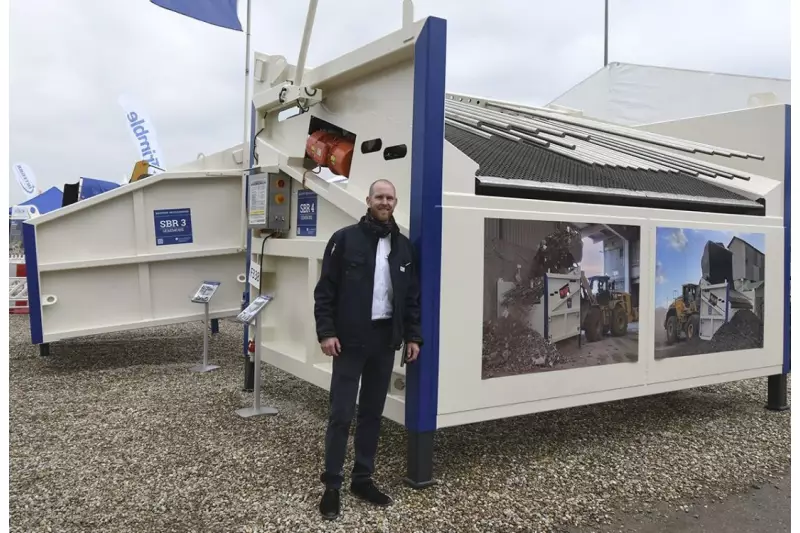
366, 307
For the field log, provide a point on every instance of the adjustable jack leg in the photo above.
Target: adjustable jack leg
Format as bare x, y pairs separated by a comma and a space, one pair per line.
419, 459
777, 393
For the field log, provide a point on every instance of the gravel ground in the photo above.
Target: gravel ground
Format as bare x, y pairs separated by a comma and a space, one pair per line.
114, 434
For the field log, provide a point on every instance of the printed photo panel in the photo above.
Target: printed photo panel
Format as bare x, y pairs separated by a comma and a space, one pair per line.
559, 295
709, 291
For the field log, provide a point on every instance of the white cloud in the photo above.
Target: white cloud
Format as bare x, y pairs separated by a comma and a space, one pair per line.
660, 278
678, 240
69, 61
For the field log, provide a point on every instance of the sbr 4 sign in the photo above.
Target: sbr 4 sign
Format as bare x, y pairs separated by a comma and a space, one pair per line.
306, 213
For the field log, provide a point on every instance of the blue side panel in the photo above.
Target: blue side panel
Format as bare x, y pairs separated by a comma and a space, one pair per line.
32, 274
426, 217
246, 294
787, 243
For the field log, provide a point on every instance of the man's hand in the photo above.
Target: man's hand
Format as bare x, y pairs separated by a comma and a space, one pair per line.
331, 346
412, 351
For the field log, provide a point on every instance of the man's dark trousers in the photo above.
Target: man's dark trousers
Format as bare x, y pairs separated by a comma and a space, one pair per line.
373, 363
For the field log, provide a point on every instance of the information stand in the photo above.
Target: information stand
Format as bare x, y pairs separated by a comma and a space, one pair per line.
203, 296
250, 314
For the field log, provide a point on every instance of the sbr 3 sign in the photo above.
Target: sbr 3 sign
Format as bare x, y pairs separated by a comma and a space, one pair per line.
173, 223
173, 226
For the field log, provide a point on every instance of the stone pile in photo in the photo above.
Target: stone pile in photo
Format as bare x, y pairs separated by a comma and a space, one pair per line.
524, 295
512, 347
743, 331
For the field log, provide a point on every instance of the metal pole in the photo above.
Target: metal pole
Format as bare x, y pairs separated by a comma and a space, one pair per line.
246, 125
247, 75
605, 39
249, 117
205, 367
301, 60
257, 409
205, 337
257, 368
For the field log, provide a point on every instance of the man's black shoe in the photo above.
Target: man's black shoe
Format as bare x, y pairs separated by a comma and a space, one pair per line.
329, 505
367, 491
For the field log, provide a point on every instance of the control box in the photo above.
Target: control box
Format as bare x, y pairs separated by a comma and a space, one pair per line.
269, 203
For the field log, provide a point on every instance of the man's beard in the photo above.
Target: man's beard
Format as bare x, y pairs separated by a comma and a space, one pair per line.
382, 215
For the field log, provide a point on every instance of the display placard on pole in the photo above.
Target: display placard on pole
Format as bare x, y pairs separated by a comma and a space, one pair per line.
205, 292
252, 314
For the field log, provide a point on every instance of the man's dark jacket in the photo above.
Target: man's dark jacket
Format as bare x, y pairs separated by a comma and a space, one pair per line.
343, 295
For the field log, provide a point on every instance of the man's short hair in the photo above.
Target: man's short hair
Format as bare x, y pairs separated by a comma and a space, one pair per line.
372, 185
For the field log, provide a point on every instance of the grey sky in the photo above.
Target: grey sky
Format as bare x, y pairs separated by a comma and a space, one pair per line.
71, 59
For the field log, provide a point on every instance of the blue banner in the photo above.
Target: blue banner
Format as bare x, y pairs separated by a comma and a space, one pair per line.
92, 187
217, 12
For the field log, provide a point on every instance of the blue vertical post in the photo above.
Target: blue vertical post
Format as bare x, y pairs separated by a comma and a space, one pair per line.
34, 298
427, 152
777, 386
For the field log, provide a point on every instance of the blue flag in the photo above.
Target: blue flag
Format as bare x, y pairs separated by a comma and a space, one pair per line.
217, 12
91, 187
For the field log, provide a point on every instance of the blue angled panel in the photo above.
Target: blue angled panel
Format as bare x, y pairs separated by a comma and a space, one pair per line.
32, 275
427, 153
787, 242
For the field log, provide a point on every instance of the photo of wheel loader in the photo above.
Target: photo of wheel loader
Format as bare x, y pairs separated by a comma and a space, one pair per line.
683, 315
683, 319
605, 310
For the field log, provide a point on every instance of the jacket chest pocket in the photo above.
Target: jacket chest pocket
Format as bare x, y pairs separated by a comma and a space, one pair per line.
355, 266
403, 273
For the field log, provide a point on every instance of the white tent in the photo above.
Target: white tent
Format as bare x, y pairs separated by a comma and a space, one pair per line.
633, 95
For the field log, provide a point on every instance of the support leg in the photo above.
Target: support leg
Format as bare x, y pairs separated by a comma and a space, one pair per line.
249, 372
777, 393
44, 350
419, 460
204, 366
257, 409
214, 326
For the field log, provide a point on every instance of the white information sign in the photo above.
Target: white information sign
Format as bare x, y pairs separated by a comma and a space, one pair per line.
257, 214
255, 307
255, 276
206, 292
